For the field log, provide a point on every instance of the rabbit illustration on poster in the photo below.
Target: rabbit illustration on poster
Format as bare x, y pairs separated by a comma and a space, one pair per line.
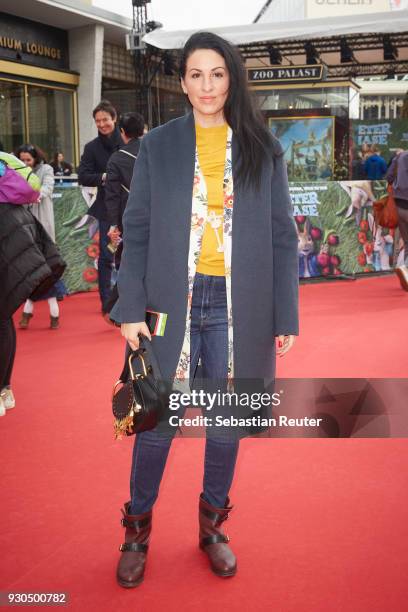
361, 196
308, 265
382, 248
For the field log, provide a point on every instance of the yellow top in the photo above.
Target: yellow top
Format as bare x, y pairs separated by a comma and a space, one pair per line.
212, 147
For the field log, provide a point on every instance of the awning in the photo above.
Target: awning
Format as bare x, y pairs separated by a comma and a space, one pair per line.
383, 23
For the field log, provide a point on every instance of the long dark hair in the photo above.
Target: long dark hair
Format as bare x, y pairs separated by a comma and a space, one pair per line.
36, 153
55, 158
240, 111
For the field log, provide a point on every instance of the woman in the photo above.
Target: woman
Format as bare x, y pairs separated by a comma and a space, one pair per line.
60, 166
208, 232
33, 157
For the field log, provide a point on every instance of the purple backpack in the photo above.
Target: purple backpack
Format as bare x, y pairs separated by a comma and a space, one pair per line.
14, 189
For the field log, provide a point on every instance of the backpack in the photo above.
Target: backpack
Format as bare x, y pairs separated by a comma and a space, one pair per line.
16, 164
14, 187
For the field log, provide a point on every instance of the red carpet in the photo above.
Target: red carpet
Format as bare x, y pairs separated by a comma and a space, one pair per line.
318, 525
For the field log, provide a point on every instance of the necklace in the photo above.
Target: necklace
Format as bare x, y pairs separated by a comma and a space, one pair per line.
216, 222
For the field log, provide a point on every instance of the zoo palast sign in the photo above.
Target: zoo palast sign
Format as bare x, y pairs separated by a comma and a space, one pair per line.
287, 74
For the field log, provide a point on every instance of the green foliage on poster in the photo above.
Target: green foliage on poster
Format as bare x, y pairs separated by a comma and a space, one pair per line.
76, 239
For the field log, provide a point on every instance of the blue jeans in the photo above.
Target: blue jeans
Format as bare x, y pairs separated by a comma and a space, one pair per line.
209, 344
105, 264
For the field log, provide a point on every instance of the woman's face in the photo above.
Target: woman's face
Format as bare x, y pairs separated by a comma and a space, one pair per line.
28, 159
206, 84
60, 157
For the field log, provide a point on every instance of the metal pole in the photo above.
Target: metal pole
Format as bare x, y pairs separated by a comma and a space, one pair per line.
262, 11
141, 62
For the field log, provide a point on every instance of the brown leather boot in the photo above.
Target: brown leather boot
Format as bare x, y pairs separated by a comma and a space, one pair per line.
213, 541
54, 322
25, 320
130, 571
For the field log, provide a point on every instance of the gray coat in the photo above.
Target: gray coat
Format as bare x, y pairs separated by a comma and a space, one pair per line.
153, 271
44, 211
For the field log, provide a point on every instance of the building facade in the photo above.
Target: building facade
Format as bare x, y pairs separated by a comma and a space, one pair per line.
51, 72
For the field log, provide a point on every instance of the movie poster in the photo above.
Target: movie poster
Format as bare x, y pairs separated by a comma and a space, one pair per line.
308, 144
388, 134
337, 233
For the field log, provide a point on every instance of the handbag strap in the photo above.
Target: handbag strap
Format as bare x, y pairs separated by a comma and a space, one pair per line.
147, 345
144, 346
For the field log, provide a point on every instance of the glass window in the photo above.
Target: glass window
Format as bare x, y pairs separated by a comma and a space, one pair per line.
124, 100
335, 98
51, 121
12, 124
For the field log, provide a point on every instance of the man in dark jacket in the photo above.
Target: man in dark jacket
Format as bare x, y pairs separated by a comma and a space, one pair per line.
92, 173
118, 178
120, 171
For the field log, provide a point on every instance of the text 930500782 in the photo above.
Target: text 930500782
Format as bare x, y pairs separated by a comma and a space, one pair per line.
19, 598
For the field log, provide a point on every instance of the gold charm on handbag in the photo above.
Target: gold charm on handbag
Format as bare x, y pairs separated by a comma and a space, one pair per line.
125, 405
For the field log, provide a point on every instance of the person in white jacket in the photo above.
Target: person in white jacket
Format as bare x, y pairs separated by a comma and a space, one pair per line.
33, 157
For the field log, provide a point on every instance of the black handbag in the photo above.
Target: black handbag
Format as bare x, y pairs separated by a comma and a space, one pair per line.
139, 397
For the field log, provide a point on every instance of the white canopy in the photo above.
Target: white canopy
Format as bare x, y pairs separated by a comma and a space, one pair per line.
382, 23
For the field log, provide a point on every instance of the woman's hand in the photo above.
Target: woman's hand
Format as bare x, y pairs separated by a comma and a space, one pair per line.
131, 332
114, 235
285, 343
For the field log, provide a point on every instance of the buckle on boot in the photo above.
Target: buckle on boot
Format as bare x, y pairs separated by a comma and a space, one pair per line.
136, 524
134, 547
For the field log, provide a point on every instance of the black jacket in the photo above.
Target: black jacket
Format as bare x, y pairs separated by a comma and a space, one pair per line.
118, 178
30, 262
62, 169
93, 165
